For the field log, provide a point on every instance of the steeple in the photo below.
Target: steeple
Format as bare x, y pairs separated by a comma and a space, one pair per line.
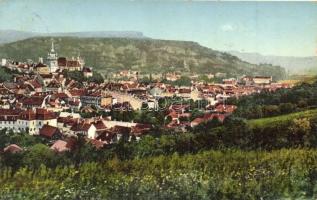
52, 49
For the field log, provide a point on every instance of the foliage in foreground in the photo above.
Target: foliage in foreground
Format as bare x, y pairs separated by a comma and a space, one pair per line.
206, 175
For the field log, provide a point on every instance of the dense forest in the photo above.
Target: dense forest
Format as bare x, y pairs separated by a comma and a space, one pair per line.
246, 157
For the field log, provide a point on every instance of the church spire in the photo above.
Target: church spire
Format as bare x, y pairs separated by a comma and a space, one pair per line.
52, 49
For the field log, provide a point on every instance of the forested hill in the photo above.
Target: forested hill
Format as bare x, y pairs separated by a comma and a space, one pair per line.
146, 55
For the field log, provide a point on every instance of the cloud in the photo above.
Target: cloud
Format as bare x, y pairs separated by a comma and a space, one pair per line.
227, 27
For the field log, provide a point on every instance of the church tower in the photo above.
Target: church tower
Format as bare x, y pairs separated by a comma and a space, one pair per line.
52, 59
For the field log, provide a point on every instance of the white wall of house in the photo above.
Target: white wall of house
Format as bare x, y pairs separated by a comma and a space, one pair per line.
8, 125
110, 124
32, 126
92, 134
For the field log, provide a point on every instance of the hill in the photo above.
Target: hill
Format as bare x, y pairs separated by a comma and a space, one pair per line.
282, 119
145, 55
7, 36
295, 65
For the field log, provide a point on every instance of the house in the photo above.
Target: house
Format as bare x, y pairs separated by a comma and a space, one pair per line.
70, 64
41, 68
54, 86
262, 80
257, 80
184, 92
85, 129
74, 104
179, 108
222, 108
229, 81
139, 130
12, 148
100, 126
35, 85
3, 62
98, 144
60, 146
32, 121
33, 102
172, 76
8, 117
50, 132
87, 71
97, 98
207, 117
107, 136
27, 120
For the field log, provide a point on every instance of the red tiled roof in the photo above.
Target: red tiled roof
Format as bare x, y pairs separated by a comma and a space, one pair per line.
40, 65
106, 135
120, 129
80, 127
35, 84
99, 125
87, 70
96, 143
54, 84
34, 100
60, 146
12, 148
49, 131
184, 90
62, 61
43, 114
78, 92
9, 112
225, 108
27, 115
72, 63
207, 117
48, 76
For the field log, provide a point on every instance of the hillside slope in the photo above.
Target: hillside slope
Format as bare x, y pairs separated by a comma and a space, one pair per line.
277, 120
146, 55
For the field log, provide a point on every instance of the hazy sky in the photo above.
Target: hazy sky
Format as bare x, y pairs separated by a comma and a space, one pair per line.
284, 28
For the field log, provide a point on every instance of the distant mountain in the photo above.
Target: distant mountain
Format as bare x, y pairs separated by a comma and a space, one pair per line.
7, 36
145, 55
295, 65
99, 34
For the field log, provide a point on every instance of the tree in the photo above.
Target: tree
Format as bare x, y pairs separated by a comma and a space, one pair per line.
301, 130
39, 154
183, 81
286, 108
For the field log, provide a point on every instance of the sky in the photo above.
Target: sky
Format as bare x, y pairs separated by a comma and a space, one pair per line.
269, 28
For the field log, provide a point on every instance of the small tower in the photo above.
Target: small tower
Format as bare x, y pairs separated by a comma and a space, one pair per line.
52, 59
80, 61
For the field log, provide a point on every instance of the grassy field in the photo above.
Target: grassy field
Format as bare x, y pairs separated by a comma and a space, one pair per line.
264, 122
